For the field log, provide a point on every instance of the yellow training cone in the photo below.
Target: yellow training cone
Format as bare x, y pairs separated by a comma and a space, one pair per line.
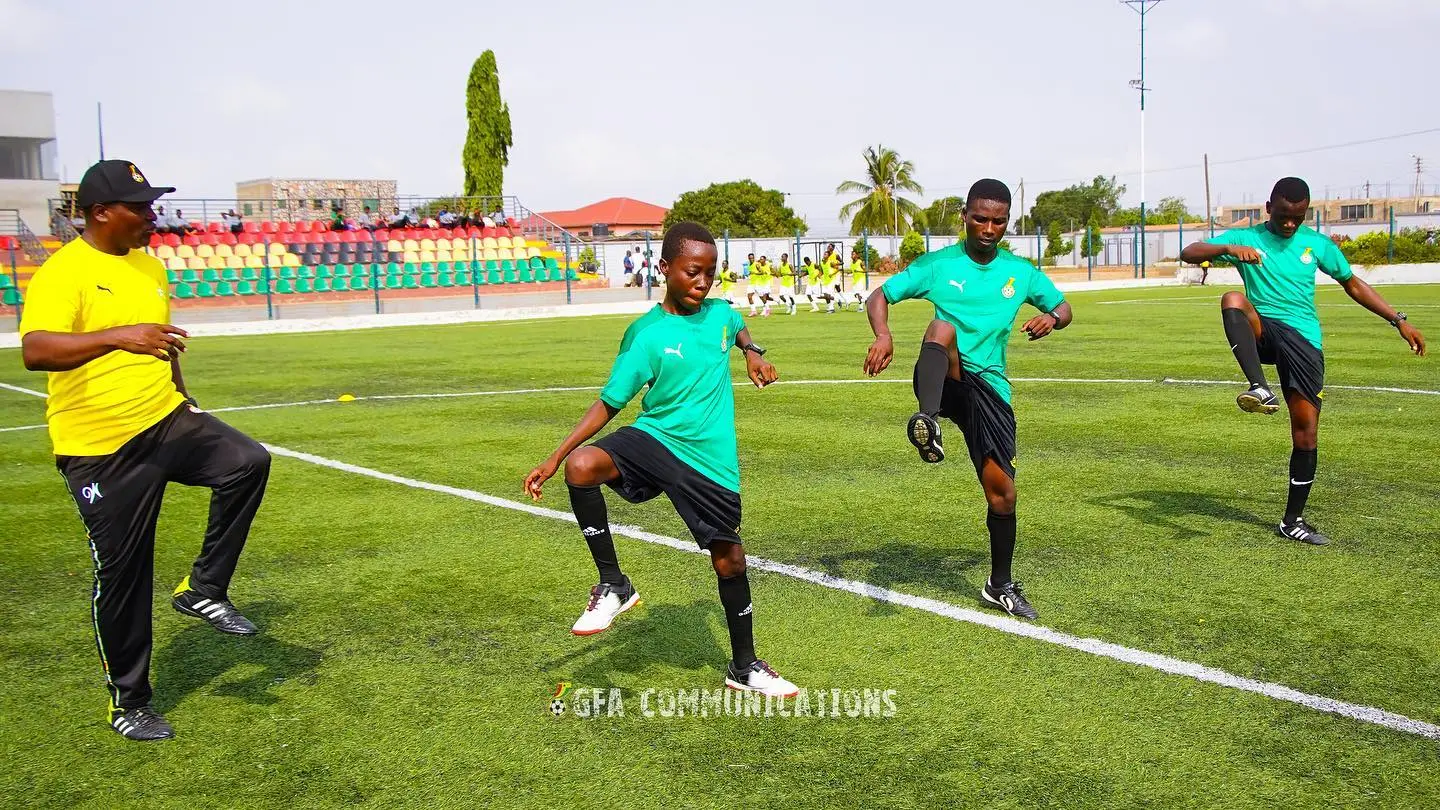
346, 398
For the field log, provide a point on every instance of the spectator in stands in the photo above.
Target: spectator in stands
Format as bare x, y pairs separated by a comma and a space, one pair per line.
446, 218
232, 221
179, 225
337, 218
366, 220
499, 218
397, 219
162, 220
412, 219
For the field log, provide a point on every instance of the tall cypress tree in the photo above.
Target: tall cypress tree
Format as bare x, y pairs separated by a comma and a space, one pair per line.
487, 140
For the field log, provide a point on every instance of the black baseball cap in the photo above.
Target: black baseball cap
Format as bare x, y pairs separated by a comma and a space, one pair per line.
112, 181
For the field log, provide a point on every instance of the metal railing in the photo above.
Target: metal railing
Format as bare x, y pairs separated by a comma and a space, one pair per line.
12, 225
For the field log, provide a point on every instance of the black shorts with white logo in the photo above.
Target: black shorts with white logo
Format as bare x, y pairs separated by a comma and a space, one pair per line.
1300, 365
986, 420
648, 468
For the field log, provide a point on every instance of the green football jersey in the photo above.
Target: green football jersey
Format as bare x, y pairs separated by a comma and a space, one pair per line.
979, 300
690, 407
1282, 285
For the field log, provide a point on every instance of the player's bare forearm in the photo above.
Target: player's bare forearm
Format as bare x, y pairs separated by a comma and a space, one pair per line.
594, 420
63, 351
1366, 296
1197, 252
877, 310
1063, 315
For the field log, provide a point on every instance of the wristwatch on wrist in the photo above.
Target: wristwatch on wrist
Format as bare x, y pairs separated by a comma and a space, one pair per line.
754, 347
1395, 321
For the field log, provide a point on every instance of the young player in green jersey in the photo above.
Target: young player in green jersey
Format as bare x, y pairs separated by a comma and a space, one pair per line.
977, 290
1275, 321
682, 445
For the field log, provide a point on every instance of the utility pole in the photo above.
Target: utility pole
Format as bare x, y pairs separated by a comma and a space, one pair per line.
100, 129
1419, 169
1020, 223
1209, 212
1142, 7
1367, 189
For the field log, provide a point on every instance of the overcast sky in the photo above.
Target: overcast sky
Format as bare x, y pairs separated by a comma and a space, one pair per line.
651, 99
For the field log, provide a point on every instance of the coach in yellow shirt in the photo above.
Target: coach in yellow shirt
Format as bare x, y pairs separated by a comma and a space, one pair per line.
96, 318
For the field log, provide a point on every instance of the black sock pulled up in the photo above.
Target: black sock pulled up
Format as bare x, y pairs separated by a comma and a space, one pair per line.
739, 618
1242, 343
1002, 545
1302, 475
588, 504
930, 371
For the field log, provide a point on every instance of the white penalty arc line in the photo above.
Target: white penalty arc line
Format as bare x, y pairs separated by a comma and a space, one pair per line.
1005, 624
17, 389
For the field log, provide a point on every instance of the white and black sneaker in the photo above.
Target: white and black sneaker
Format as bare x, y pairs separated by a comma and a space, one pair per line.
923, 430
759, 677
218, 612
1258, 399
1298, 529
606, 602
1009, 597
141, 723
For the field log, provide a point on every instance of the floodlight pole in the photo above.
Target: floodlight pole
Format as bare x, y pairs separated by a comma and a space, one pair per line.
1142, 7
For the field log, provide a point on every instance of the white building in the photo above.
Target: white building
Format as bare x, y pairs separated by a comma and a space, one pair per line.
28, 175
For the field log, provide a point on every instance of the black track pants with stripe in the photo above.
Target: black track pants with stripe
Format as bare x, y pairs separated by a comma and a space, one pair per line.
119, 499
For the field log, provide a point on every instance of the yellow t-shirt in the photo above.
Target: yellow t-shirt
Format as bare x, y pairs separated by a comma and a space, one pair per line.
857, 274
95, 409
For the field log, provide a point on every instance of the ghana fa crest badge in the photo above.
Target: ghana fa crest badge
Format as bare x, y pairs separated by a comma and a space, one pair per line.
1009, 289
135, 174
1307, 257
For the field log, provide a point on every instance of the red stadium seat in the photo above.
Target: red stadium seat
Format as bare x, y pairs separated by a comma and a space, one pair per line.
191, 240
214, 227
474, 232
446, 233
250, 238
227, 238
172, 240
155, 241
209, 239
330, 237
348, 237
489, 233
264, 227
381, 235
284, 227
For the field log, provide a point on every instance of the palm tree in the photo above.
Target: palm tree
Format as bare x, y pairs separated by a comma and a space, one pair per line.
881, 210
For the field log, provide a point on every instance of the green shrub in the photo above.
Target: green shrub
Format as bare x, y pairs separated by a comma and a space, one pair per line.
911, 248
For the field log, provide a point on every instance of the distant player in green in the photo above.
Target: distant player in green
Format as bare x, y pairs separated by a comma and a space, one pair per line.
859, 281
977, 290
813, 288
682, 445
785, 275
1275, 321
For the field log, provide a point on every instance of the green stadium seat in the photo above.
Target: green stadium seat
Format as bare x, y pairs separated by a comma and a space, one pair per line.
445, 280
495, 278
307, 272
285, 286
570, 274
506, 265
340, 271
205, 289
551, 263
524, 273
170, 275
6, 282
463, 279
183, 290
249, 274
429, 280
189, 276
245, 288
224, 288
411, 282
410, 268
324, 284
211, 276
395, 282
229, 274
304, 285
511, 277
288, 273
392, 268
10, 297
322, 271
340, 284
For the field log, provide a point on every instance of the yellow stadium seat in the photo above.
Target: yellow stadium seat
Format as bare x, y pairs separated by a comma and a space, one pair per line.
394, 246
532, 251
490, 243
427, 244
503, 241
457, 243
505, 253
278, 249
411, 257
427, 256
255, 262
224, 251
412, 246
291, 260
174, 263
164, 252
490, 255
243, 251
194, 263
460, 255
204, 251
185, 252
442, 254
517, 242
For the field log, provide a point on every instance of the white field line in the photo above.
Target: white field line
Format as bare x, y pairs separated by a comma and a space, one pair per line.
1181, 302
568, 389
994, 621
17, 389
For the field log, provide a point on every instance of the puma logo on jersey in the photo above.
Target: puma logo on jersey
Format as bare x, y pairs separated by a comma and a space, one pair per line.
675, 351
106, 289
959, 285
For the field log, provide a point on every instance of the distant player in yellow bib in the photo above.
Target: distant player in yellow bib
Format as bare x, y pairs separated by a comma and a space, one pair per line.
859, 284
785, 273
830, 277
727, 282
760, 277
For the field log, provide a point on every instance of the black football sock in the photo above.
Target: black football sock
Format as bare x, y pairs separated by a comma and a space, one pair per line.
1002, 546
739, 615
1242, 343
588, 503
930, 371
1302, 475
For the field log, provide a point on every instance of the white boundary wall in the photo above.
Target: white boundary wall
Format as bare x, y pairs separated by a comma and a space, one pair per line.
1387, 274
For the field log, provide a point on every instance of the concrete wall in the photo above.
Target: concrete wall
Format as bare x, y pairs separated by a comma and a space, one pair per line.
32, 199
24, 114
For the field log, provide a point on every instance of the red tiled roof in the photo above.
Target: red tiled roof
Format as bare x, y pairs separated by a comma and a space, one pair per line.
614, 211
